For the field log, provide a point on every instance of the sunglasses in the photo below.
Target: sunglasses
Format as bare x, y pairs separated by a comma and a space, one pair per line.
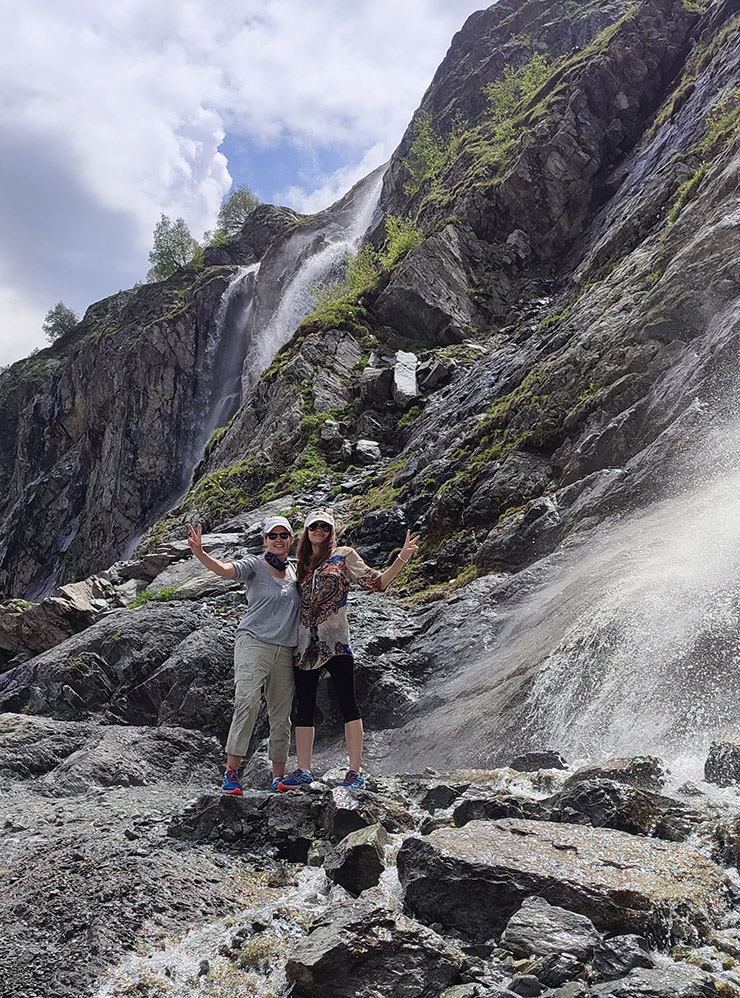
324, 527
274, 536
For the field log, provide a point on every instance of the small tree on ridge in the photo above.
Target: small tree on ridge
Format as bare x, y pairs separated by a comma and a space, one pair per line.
58, 321
173, 247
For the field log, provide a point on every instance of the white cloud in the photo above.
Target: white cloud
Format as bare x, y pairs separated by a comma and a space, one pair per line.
21, 327
120, 109
335, 185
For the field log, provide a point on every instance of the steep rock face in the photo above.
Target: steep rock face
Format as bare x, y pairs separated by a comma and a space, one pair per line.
95, 431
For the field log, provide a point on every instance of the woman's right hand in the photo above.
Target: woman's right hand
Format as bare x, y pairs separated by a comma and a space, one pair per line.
195, 539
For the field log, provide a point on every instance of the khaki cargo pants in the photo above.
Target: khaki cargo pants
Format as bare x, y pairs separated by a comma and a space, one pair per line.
260, 666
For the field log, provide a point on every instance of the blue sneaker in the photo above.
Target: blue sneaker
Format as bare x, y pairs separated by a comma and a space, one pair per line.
231, 783
354, 780
276, 783
297, 779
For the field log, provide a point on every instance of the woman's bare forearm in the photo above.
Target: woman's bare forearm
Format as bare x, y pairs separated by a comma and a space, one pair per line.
226, 569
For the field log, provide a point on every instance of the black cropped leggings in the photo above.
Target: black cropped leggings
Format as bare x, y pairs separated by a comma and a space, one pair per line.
341, 668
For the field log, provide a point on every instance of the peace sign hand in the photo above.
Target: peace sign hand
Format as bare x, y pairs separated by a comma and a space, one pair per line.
195, 539
410, 546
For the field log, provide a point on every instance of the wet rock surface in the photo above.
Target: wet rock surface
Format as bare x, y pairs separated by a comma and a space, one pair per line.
368, 949
474, 878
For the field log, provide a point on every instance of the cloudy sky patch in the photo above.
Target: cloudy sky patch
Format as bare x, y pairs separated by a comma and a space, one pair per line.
115, 113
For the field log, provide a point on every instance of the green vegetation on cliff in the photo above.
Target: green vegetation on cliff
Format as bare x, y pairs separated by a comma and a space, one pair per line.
341, 302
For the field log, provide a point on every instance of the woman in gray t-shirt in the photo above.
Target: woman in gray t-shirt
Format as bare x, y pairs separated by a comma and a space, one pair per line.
263, 650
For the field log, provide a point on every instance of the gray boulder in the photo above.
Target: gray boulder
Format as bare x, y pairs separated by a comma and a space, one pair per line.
474, 878
557, 969
367, 451
427, 297
679, 980
288, 823
531, 761
405, 388
617, 956
723, 763
541, 929
526, 985
477, 804
366, 949
357, 862
646, 772
350, 811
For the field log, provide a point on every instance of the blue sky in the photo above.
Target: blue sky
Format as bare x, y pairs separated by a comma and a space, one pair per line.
115, 113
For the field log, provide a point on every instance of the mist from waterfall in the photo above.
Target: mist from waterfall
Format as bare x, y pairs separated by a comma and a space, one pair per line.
625, 641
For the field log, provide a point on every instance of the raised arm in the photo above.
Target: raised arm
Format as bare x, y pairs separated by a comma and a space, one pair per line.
195, 542
410, 547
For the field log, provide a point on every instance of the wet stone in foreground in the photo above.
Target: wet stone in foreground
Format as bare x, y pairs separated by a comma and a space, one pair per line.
474, 878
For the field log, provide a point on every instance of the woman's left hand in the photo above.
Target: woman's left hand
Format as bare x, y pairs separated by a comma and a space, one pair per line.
410, 546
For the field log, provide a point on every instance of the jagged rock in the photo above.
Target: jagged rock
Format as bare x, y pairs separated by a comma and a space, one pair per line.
474, 878
477, 804
376, 384
619, 955
166, 663
287, 823
66, 758
542, 929
723, 763
330, 435
366, 949
29, 629
357, 861
351, 811
434, 373
427, 297
367, 451
263, 225
531, 761
573, 989
440, 796
556, 969
646, 772
405, 389
605, 804
526, 985
676, 981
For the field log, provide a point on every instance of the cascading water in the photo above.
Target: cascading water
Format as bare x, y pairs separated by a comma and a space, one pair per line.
313, 254
623, 642
226, 348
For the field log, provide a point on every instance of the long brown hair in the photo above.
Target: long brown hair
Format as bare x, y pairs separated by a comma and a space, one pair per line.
307, 560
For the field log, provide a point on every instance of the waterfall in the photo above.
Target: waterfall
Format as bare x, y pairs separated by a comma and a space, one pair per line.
313, 254
226, 349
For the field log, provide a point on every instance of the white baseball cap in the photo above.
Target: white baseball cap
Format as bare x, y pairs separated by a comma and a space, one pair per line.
319, 514
276, 521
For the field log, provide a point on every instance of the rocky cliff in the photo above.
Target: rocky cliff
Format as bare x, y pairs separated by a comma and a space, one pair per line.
534, 362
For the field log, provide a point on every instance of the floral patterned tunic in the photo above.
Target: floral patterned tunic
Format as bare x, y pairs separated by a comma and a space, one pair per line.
323, 630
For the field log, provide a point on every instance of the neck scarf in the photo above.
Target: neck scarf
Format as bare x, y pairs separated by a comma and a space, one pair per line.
272, 559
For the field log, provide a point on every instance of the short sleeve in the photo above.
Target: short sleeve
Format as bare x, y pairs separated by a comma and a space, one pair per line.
359, 572
245, 567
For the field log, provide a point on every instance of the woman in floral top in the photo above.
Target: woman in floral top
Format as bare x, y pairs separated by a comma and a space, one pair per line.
325, 575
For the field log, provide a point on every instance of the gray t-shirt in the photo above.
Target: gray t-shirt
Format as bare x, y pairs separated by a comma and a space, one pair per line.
273, 605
